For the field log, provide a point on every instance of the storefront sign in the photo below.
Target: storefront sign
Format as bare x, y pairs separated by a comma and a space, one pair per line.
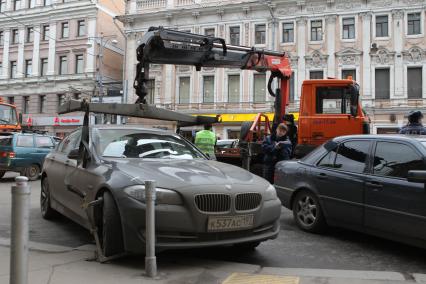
54, 120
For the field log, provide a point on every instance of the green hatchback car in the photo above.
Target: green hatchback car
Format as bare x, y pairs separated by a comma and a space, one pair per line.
24, 153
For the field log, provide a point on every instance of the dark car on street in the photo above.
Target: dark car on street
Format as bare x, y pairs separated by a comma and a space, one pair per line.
200, 202
369, 183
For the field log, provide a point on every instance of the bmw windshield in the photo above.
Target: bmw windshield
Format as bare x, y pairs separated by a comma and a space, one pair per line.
135, 143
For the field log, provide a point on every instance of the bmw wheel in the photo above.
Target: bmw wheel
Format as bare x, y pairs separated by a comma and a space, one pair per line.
307, 212
112, 236
47, 212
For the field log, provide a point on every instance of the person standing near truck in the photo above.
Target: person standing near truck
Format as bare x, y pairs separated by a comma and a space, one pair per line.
276, 147
206, 140
414, 125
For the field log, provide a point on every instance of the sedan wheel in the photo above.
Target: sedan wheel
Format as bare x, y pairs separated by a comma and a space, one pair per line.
307, 212
47, 212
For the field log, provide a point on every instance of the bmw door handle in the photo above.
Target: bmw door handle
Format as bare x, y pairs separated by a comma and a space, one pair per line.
322, 176
376, 186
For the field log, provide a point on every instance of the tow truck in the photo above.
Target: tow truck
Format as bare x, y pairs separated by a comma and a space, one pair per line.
328, 108
9, 119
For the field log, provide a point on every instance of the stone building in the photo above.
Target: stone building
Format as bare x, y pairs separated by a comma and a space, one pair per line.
52, 50
380, 43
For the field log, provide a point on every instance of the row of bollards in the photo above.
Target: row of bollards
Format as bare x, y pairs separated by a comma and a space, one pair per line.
20, 231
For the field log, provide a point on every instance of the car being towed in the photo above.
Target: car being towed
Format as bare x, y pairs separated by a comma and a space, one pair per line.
200, 202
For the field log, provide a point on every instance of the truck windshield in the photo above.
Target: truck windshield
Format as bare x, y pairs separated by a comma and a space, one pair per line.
7, 115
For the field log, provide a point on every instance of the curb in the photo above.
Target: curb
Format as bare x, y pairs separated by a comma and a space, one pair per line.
42, 247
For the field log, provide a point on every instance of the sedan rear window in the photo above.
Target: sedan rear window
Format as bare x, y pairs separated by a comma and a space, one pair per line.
129, 143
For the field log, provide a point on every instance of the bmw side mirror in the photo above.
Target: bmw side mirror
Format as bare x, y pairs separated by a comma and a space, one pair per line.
74, 154
417, 176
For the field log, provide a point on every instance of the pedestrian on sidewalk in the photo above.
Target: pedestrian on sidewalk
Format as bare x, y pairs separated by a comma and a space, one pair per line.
276, 147
206, 140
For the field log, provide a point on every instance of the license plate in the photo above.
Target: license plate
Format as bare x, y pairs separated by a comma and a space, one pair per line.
229, 223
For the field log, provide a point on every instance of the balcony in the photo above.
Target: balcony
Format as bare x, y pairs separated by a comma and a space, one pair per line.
148, 6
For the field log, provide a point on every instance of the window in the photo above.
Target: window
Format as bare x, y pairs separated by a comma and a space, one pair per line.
316, 75
44, 142
61, 99
43, 66
260, 34
45, 33
413, 24
42, 105
79, 64
184, 88
25, 141
1, 68
2, 5
31, 3
16, 4
382, 26
316, 30
30, 34
64, 30
382, 88
351, 156
348, 28
208, 89
209, 32
328, 160
28, 68
1, 37
150, 85
70, 142
396, 159
76, 96
259, 87
234, 35
11, 100
47, 2
292, 80
81, 28
63, 65
233, 88
15, 36
26, 104
13, 69
288, 32
414, 82
332, 100
346, 73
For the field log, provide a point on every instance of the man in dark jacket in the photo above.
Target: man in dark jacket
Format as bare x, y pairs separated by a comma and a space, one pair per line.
276, 147
414, 125
292, 130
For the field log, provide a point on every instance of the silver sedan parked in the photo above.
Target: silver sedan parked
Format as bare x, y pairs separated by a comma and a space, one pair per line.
200, 202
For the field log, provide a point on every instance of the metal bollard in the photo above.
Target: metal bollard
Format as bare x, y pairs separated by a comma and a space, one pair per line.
150, 259
20, 231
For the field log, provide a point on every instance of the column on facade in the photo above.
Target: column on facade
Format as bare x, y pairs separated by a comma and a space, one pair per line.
301, 52
21, 60
52, 50
39, 3
36, 51
131, 66
9, 5
6, 43
366, 59
397, 16
24, 4
91, 50
331, 45
133, 7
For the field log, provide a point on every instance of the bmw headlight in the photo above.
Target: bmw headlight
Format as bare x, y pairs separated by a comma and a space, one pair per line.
164, 196
270, 193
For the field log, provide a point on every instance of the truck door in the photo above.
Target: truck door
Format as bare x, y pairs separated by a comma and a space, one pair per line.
336, 112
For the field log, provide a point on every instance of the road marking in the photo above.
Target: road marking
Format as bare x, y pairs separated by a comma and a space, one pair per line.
246, 278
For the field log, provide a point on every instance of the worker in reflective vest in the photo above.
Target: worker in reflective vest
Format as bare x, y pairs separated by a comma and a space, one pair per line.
205, 140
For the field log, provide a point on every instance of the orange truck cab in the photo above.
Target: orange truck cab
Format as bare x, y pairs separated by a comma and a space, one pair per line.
328, 108
9, 121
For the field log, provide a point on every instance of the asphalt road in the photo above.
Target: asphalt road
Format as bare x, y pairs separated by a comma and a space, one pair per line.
337, 249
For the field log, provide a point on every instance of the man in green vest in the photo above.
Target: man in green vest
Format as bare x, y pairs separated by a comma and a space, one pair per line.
205, 140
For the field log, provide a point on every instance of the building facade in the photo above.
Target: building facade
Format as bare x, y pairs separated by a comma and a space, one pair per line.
53, 50
380, 43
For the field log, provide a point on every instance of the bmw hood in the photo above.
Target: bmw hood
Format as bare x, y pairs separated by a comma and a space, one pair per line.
189, 173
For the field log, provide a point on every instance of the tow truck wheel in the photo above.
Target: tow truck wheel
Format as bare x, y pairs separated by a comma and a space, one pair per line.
2, 173
112, 236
